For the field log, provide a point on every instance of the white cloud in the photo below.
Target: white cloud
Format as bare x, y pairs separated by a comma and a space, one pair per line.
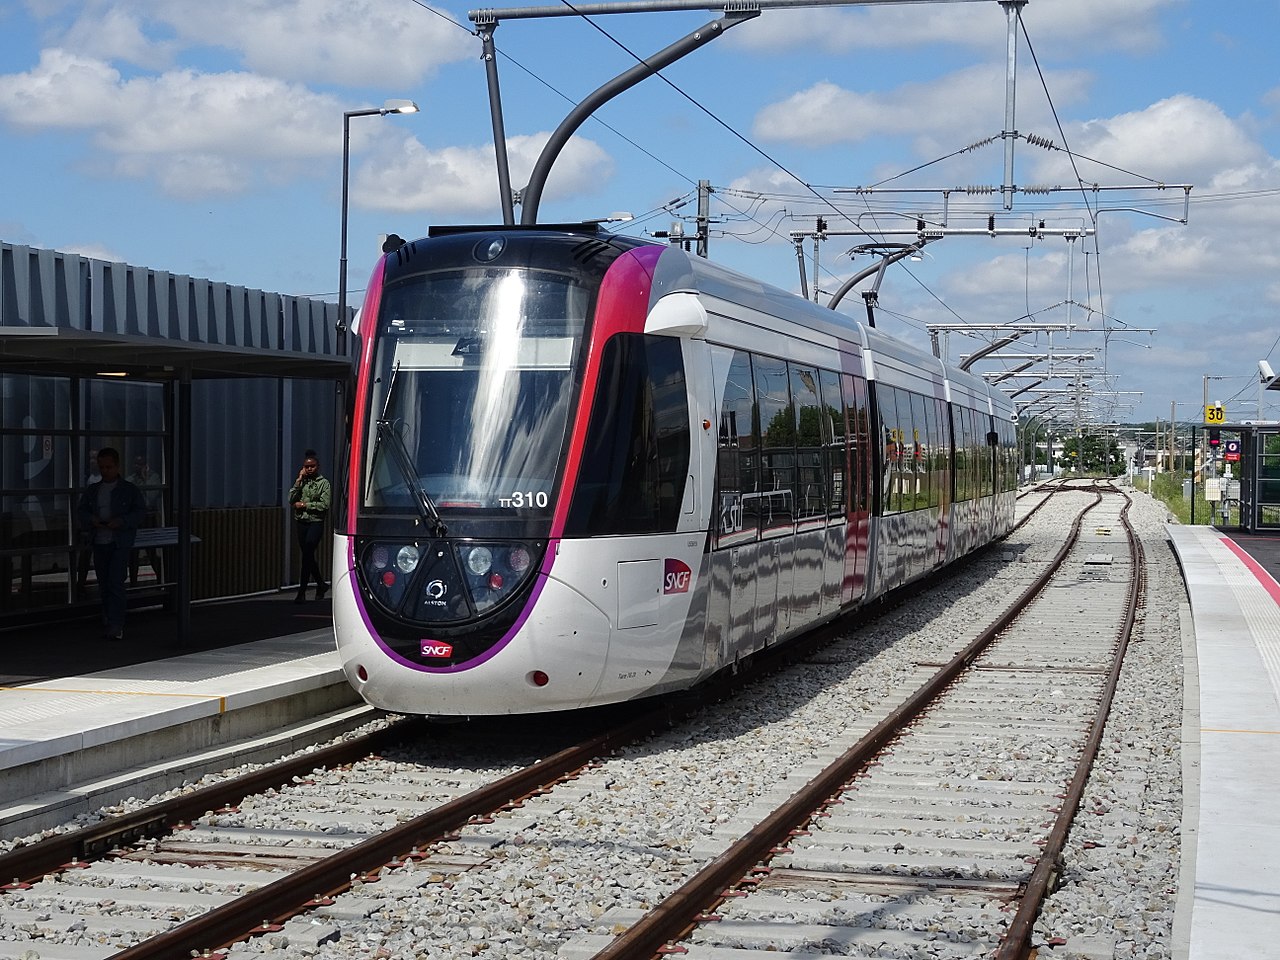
940, 115
95, 251
116, 33
461, 180
15, 232
378, 44
196, 131
194, 134
1179, 139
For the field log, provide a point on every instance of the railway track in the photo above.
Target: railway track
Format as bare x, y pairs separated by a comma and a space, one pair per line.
402, 828
201, 871
938, 831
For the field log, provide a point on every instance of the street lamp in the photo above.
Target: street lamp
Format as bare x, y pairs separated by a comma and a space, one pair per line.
391, 106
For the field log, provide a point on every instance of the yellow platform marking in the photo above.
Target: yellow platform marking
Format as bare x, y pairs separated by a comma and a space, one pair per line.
1272, 733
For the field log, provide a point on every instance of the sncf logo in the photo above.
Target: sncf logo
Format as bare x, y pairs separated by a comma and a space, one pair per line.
435, 648
676, 578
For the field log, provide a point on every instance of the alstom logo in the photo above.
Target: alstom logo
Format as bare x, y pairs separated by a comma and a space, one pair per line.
677, 577
435, 649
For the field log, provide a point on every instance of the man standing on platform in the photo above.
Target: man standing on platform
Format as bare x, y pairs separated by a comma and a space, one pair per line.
110, 511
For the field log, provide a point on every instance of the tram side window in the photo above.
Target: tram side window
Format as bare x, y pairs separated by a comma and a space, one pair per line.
854, 390
986, 480
982, 427
1009, 451
1003, 465
636, 458
835, 437
737, 457
942, 452
909, 434
777, 447
977, 453
906, 463
960, 420
922, 451
890, 449
813, 434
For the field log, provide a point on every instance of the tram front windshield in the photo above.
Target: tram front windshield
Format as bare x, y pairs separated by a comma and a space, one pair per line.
472, 389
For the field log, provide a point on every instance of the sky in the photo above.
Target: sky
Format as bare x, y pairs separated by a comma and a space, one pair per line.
206, 139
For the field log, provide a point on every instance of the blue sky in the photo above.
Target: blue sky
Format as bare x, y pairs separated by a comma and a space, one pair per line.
207, 138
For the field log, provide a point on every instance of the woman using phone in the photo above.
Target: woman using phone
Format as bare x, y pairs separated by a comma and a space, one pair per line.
310, 496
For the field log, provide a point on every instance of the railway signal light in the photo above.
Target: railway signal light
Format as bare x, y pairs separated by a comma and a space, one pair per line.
1215, 437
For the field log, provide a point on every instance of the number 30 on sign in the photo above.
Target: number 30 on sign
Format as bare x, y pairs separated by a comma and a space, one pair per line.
1215, 414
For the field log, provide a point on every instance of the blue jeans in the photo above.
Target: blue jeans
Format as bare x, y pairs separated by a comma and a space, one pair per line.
111, 564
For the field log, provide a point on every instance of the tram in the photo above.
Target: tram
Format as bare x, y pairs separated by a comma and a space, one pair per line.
586, 469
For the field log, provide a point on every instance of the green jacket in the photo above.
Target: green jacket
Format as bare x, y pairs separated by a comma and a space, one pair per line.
316, 494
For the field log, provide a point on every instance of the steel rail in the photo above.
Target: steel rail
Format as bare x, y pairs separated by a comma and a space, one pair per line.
678, 913
1034, 510
1016, 943
292, 894
26, 864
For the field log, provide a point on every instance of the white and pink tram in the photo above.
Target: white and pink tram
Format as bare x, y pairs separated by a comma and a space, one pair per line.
588, 469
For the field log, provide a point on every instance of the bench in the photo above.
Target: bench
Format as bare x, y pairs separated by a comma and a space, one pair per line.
150, 540
147, 537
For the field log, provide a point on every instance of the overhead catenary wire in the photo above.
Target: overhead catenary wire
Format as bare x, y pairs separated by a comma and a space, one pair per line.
747, 141
534, 76
809, 194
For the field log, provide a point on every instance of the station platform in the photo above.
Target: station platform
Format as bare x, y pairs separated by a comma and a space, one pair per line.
1229, 900
86, 722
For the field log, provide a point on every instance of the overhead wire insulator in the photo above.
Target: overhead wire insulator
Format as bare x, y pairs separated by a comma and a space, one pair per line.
979, 188
975, 146
1040, 188
1038, 141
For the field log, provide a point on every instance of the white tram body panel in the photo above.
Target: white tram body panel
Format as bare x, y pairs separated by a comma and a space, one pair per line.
732, 466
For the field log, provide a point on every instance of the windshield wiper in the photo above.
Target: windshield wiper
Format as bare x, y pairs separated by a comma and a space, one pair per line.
426, 506
404, 463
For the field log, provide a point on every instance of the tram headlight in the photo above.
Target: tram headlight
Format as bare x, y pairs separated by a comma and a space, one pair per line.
518, 559
480, 560
407, 558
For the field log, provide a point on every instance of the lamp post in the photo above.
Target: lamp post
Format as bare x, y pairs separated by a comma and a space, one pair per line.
391, 106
